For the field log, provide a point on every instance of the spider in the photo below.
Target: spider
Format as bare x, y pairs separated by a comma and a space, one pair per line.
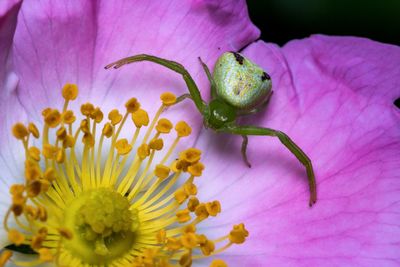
238, 87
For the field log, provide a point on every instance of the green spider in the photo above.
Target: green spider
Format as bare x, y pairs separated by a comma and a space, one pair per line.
238, 87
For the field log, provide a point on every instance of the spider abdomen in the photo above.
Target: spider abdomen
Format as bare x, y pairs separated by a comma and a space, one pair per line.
240, 82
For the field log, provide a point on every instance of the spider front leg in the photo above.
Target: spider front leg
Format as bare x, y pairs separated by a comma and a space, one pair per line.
172, 65
288, 143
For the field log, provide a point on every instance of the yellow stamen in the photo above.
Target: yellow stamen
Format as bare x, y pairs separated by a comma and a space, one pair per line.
80, 208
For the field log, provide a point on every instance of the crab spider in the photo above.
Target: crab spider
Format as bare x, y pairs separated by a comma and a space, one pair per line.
238, 87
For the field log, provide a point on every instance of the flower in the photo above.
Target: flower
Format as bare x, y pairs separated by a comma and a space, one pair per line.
332, 95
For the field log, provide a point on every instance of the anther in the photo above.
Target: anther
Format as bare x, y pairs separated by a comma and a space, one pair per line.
87, 109
132, 105
164, 126
115, 117
52, 118
16, 237
156, 144
19, 131
33, 130
108, 130
162, 171
143, 151
218, 263
193, 203
70, 91
238, 234
34, 153
123, 147
183, 129
97, 115
168, 98
196, 169
213, 208
68, 117
183, 216
140, 118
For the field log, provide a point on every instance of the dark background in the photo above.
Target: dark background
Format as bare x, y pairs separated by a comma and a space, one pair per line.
283, 20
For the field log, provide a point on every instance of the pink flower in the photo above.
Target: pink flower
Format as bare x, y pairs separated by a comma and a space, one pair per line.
332, 95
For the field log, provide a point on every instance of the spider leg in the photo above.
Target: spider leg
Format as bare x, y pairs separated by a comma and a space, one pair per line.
210, 78
288, 143
172, 65
244, 149
183, 97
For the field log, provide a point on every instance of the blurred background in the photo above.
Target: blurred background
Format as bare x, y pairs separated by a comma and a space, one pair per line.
284, 20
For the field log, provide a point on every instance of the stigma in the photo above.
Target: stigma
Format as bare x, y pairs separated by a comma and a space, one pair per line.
105, 190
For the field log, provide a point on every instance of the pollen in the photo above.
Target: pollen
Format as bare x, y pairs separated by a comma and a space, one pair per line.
110, 193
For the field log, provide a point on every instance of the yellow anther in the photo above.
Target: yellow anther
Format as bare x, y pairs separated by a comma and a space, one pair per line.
180, 195
17, 209
65, 233
168, 98
156, 144
50, 175
191, 155
213, 208
45, 255
68, 117
16, 237
61, 133
70, 91
107, 130
123, 147
31, 212
191, 228
218, 263
196, 169
17, 189
60, 156
69, 141
84, 126
164, 126
37, 242
43, 231
238, 234
32, 170
44, 185
190, 189
42, 215
189, 240
4, 257
193, 203
52, 118
183, 216
161, 236
201, 211
162, 171
88, 139
97, 115
143, 151
49, 151
34, 153
173, 243
132, 105
182, 165
87, 109
140, 118
114, 116
33, 188
207, 247
183, 129
33, 130
46, 111
19, 131
186, 260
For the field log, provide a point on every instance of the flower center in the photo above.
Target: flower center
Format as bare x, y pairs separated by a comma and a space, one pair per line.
103, 225
86, 204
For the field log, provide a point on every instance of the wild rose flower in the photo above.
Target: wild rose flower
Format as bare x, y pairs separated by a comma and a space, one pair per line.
332, 95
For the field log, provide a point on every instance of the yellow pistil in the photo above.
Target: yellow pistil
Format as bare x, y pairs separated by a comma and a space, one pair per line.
93, 198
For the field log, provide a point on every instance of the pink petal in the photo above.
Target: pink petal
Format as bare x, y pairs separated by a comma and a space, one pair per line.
334, 96
58, 42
